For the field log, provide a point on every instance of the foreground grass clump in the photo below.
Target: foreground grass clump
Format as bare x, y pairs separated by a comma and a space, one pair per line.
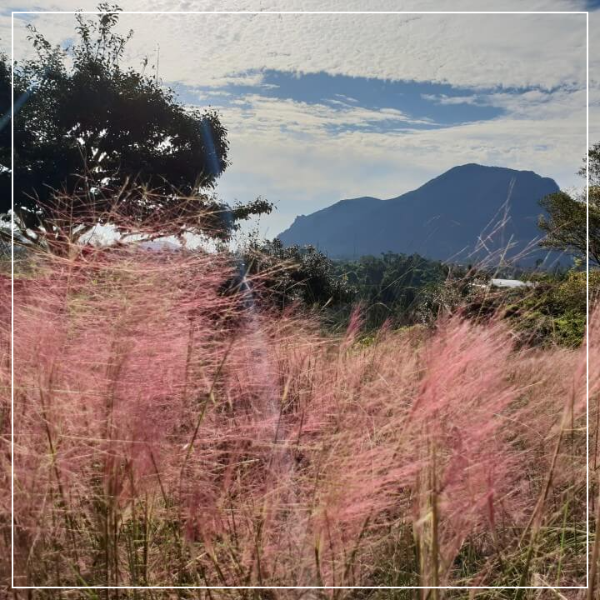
168, 431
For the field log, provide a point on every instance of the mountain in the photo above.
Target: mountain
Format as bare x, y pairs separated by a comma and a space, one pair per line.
471, 212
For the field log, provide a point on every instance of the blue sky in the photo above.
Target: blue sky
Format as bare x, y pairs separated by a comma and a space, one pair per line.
425, 104
325, 107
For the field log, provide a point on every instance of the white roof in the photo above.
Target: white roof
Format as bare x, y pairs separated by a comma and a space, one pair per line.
510, 283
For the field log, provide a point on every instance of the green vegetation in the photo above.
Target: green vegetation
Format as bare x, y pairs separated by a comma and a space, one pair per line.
393, 288
555, 312
296, 275
567, 225
552, 312
411, 290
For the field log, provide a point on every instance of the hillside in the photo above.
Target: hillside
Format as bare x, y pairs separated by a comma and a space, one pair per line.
469, 212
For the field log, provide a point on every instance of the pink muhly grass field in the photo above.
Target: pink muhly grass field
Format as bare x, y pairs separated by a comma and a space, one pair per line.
171, 431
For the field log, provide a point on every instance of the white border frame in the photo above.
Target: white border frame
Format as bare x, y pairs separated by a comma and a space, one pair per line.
296, 12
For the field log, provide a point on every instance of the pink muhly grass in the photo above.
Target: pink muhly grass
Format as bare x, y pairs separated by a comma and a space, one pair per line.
454, 427
170, 431
355, 325
594, 433
101, 354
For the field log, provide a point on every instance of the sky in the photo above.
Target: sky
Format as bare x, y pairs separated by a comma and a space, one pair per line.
321, 107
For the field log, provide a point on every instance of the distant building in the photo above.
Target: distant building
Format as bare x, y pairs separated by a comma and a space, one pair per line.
509, 283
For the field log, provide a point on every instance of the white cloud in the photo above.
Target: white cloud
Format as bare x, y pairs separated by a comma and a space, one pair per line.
311, 155
445, 100
535, 104
463, 50
346, 99
271, 114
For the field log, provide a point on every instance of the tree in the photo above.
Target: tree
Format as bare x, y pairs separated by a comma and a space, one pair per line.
393, 286
594, 158
92, 134
566, 224
295, 274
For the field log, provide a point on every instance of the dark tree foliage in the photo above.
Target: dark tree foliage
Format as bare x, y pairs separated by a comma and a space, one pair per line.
566, 226
296, 275
594, 158
393, 286
90, 131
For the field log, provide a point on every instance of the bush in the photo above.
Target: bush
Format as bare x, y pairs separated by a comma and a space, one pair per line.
555, 311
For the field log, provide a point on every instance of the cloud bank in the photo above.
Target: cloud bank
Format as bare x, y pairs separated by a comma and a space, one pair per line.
306, 155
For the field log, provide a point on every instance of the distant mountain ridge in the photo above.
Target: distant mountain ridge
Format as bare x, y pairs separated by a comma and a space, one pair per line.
455, 216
